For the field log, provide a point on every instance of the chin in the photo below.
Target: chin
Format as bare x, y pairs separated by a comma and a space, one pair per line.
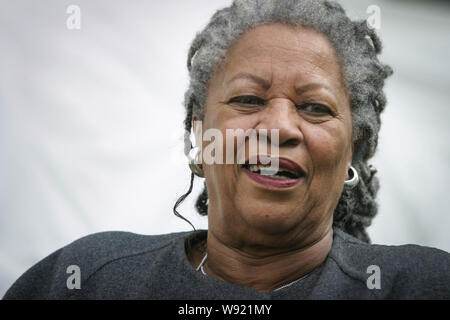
270, 219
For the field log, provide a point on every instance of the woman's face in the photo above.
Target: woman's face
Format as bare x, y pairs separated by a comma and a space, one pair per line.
279, 77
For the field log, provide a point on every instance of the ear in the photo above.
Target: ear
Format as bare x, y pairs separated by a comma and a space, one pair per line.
198, 132
349, 159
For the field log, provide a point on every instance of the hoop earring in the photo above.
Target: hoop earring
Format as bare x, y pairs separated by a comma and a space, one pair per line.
354, 179
193, 165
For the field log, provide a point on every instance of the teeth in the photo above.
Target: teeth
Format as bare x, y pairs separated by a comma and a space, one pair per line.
257, 168
254, 168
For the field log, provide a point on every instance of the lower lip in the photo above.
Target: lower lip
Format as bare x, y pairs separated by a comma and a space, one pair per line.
271, 182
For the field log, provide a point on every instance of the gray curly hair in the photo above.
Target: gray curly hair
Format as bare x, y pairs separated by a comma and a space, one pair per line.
357, 46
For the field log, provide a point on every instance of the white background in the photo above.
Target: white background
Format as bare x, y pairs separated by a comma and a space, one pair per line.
91, 134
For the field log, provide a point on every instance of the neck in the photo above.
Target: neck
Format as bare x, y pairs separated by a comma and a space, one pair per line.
265, 272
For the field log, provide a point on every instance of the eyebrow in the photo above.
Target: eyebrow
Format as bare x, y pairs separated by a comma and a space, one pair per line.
266, 84
245, 75
316, 85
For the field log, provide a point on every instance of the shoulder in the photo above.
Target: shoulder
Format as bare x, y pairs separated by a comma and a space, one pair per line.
405, 271
396, 254
48, 278
106, 246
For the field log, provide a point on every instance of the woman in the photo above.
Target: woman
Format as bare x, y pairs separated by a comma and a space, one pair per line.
303, 76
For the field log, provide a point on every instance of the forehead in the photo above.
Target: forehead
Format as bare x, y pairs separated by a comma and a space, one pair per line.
284, 51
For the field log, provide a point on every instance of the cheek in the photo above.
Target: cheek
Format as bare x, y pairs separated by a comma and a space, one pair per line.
329, 149
222, 173
237, 126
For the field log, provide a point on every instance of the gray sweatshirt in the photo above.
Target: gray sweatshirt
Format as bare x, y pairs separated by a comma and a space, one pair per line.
123, 265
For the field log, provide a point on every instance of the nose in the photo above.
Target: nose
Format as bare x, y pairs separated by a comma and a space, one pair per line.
281, 114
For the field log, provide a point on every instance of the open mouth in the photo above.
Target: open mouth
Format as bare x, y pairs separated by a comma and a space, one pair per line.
281, 173
286, 174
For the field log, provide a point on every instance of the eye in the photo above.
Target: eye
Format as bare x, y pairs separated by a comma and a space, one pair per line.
248, 101
315, 109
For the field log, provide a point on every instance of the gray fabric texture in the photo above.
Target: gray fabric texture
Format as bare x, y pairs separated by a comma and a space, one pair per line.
123, 265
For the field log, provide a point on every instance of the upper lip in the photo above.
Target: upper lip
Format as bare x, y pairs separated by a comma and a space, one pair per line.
282, 162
